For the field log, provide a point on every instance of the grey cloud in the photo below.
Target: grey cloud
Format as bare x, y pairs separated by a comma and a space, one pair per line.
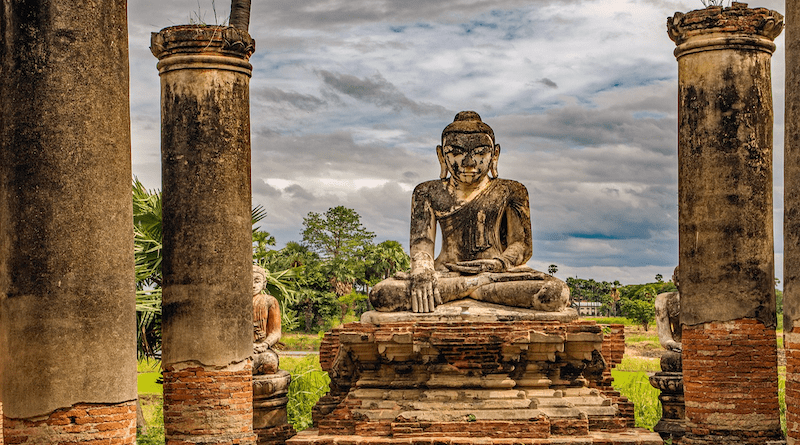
375, 90
316, 14
587, 126
296, 191
262, 188
548, 83
305, 102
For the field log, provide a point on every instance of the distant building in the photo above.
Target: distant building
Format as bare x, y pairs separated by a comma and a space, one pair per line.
588, 308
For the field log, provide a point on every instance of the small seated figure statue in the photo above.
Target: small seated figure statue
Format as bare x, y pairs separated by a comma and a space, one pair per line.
486, 234
668, 324
266, 326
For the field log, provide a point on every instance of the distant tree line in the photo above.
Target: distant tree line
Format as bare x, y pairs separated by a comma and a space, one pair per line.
634, 301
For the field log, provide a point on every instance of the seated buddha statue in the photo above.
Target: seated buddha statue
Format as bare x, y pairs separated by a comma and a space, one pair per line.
266, 326
486, 234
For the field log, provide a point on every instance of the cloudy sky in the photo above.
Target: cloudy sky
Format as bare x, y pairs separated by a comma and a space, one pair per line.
349, 97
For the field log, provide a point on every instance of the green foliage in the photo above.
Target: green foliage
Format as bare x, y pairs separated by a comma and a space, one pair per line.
612, 320
383, 260
642, 311
782, 396
642, 364
552, 269
301, 342
317, 310
598, 291
338, 234
154, 434
309, 383
636, 387
147, 262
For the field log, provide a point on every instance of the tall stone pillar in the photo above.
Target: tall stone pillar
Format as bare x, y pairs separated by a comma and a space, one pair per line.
207, 323
67, 305
725, 223
791, 223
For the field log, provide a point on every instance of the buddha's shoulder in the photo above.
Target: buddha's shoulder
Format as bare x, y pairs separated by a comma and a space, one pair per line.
432, 186
510, 185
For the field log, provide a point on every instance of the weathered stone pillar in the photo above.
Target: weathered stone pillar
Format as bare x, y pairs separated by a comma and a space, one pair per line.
791, 223
67, 321
725, 223
207, 319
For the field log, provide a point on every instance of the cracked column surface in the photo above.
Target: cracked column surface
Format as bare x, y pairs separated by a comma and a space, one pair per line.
207, 321
791, 224
725, 223
67, 315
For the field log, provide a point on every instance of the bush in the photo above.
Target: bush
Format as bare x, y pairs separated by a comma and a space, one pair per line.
309, 383
636, 387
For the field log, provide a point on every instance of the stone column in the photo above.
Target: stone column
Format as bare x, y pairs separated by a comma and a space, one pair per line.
791, 224
207, 322
67, 306
725, 223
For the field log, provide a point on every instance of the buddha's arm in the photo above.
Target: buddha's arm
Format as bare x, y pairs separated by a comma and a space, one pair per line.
423, 290
518, 229
423, 232
273, 322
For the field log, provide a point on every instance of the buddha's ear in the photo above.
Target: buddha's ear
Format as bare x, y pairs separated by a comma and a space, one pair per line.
493, 164
442, 164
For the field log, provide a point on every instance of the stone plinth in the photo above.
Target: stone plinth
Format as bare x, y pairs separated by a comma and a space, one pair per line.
673, 412
68, 329
468, 372
726, 251
207, 320
270, 421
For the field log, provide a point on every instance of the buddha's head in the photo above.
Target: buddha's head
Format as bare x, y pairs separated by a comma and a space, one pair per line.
259, 279
468, 152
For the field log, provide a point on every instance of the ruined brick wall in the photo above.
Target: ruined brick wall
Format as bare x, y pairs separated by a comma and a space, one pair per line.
613, 344
731, 384
84, 423
792, 346
208, 404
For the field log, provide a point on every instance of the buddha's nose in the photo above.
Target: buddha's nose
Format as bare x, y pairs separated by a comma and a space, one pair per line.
468, 161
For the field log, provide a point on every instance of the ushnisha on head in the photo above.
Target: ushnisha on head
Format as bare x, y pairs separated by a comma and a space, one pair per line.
468, 151
259, 279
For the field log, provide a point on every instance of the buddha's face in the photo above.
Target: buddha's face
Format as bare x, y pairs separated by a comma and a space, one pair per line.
468, 156
258, 283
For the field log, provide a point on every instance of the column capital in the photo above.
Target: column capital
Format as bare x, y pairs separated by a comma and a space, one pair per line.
715, 28
202, 47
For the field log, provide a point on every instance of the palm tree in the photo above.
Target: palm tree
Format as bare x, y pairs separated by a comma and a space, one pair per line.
240, 14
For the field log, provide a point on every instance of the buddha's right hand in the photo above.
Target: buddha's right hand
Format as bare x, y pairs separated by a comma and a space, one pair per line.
424, 291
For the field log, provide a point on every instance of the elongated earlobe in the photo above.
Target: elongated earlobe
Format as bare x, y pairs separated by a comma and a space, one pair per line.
493, 164
442, 164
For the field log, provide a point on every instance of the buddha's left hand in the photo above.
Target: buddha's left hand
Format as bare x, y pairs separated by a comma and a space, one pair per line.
477, 266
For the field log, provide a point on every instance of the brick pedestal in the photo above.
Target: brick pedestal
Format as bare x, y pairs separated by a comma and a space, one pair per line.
731, 383
204, 405
84, 423
491, 378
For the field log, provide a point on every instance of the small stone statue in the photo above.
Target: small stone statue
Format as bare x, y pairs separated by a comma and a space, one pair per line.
668, 324
670, 379
266, 326
486, 233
